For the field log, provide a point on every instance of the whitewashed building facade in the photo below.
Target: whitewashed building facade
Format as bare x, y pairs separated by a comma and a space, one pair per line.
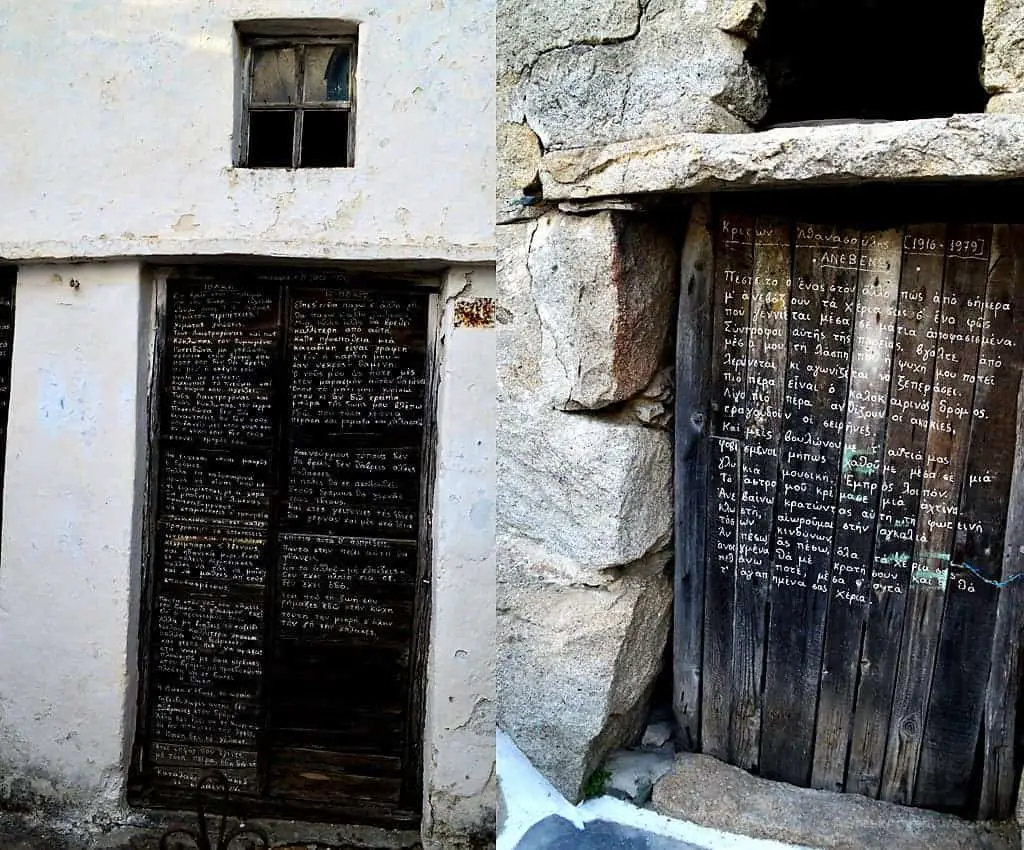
154, 147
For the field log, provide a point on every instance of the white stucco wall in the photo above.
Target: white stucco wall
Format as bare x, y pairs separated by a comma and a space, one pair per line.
69, 562
459, 740
117, 141
118, 125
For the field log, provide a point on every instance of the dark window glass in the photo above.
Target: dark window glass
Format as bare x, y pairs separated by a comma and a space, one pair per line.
270, 138
325, 139
307, 82
327, 74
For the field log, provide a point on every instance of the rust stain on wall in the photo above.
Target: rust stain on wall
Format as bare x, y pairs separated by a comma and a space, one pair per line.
474, 313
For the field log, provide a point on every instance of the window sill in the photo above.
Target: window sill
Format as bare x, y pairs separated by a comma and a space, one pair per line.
962, 147
287, 169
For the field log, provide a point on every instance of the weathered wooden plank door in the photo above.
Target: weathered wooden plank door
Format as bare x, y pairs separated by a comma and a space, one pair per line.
284, 625
850, 553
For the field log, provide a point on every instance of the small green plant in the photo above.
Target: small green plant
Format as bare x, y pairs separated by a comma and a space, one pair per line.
594, 786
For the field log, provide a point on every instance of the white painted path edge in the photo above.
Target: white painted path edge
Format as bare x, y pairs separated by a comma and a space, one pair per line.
529, 798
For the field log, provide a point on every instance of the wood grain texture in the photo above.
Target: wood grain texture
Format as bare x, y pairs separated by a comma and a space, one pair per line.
280, 620
765, 388
945, 775
864, 580
734, 267
945, 459
905, 437
1000, 753
820, 339
863, 442
692, 412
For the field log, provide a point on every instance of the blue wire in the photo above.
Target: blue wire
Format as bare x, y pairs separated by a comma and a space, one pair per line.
990, 581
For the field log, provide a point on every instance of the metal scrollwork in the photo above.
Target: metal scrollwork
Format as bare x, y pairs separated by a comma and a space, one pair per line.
213, 787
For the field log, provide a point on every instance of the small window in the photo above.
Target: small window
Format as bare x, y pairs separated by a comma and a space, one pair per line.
298, 101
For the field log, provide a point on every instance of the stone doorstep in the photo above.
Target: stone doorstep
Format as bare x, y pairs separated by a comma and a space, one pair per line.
703, 790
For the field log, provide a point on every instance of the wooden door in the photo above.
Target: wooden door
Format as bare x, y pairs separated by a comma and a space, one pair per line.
850, 543
285, 616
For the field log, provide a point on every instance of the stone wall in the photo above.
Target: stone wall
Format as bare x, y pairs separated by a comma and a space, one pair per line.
1004, 55
601, 107
584, 465
587, 296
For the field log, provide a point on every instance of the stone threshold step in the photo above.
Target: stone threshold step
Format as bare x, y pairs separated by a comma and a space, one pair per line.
703, 790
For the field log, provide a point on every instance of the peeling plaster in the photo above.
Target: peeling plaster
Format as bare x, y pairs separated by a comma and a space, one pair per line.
112, 153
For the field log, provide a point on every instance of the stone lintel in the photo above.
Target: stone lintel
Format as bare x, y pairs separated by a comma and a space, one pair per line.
963, 147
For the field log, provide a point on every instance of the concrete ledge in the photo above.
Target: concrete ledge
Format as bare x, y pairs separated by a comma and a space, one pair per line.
160, 248
964, 147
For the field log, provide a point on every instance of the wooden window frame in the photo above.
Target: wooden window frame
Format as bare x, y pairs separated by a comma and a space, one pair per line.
252, 806
300, 107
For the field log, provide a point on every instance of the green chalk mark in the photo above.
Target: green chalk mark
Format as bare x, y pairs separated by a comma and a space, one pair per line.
933, 578
850, 454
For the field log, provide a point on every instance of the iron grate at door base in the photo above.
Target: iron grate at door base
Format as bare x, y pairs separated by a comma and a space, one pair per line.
213, 786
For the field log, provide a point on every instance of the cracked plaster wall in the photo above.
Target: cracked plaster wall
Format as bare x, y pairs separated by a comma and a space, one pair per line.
120, 144
70, 559
459, 745
119, 135
69, 574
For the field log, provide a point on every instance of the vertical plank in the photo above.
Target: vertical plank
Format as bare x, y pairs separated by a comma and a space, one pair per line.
945, 777
820, 335
765, 385
1000, 758
849, 594
956, 361
693, 352
905, 438
733, 275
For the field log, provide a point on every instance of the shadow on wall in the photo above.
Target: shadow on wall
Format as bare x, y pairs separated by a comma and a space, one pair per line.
870, 59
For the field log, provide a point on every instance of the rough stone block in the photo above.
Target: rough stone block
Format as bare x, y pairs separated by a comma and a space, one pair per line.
1004, 46
708, 792
582, 490
616, 83
518, 325
1008, 103
656, 735
633, 774
743, 18
530, 28
978, 147
575, 670
519, 156
603, 288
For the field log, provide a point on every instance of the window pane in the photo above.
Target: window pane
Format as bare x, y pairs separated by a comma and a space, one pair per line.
270, 138
273, 76
327, 71
325, 139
